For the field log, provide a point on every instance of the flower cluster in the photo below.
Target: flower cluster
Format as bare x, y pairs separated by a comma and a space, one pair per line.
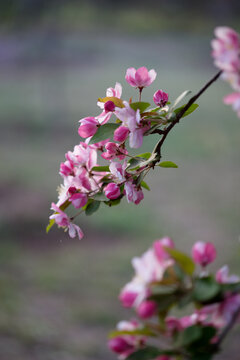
88, 184
226, 54
164, 278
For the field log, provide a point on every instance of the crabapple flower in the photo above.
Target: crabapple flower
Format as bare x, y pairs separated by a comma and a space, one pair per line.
234, 100
159, 245
66, 168
203, 253
112, 191
88, 127
131, 119
133, 194
78, 200
112, 92
223, 277
121, 133
63, 220
113, 151
160, 98
124, 345
149, 269
141, 77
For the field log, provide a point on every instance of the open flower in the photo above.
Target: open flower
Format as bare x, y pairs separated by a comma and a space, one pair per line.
141, 77
63, 220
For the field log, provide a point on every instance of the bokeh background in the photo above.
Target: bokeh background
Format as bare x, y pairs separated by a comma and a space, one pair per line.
58, 296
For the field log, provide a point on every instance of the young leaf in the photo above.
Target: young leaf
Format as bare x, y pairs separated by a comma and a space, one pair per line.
189, 336
92, 207
118, 102
104, 132
100, 196
147, 353
179, 99
145, 185
145, 155
142, 106
168, 164
205, 289
144, 331
50, 224
100, 168
192, 108
184, 261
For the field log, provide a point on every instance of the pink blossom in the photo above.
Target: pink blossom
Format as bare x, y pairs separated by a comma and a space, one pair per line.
113, 151
112, 92
78, 200
66, 168
117, 170
203, 253
133, 193
131, 119
88, 127
223, 277
226, 48
121, 133
160, 98
159, 245
141, 77
147, 309
124, 345
234, 100
63, 220
112, 191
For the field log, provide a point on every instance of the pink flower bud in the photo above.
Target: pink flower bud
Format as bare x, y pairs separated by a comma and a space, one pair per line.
119, 345
203, 253
160, 98
121, 133
147, 309
127, 298
109, 106
112, 191
88, 127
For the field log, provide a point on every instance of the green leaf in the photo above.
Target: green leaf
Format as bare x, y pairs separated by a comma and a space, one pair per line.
142, 106
145, 185
50, 224
104, 132
134, 163
100, 168
167, 164
145, 331
148, 353
92, 207
205, 289
189, 336
145, 155
179, 99
191, 109
113, 202
183, 260
100, 196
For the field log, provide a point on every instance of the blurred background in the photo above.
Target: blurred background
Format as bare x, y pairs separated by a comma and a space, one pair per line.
59, 296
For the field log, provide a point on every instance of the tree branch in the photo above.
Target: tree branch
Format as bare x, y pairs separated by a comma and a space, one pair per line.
228, 327
180, 115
